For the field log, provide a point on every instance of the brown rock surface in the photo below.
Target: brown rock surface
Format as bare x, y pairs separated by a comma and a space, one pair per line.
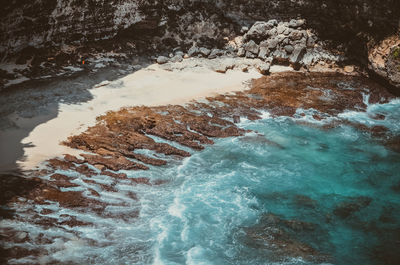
118, 140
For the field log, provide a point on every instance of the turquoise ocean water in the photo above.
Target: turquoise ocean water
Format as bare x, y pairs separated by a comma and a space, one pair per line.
340, 184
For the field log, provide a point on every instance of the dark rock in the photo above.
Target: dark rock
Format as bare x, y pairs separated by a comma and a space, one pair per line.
236, 119
26, 54
299, 226
348, 208
162, 60
396, 187
193, 51
215, 53
278, 236
388, 215
393, 143
204, 51
305, 201
6, 75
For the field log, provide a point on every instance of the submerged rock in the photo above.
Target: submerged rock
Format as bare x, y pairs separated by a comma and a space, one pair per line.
277, 236
305, 201
347, 208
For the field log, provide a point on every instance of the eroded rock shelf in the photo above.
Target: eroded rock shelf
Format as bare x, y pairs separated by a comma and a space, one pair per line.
138, 138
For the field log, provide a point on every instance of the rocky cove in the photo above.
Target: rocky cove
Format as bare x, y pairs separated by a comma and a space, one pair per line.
200, 132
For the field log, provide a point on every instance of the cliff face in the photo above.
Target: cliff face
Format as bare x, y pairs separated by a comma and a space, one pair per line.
27, 25
50, 23
47, 23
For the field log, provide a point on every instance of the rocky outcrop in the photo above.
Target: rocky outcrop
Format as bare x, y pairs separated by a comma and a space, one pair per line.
138, 138
384, 59
116, 136
266, 43
284, 43
48, 33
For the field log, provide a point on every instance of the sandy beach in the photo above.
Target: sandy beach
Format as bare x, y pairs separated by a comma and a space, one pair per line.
150, 86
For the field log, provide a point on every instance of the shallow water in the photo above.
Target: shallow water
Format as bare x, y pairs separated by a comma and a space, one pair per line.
341, 183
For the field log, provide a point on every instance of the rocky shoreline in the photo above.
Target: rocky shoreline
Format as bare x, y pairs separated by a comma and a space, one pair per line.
319, 60
139, 138
283, 43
